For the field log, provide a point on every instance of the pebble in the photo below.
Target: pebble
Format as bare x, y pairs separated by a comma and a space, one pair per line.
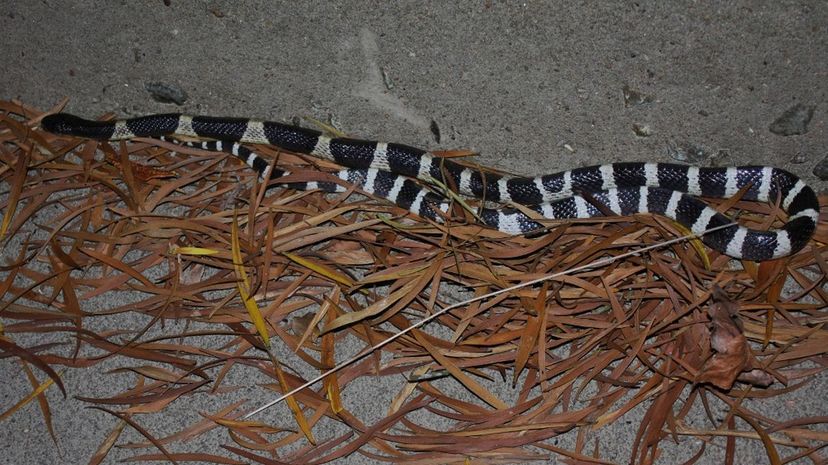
821, 169
633, 97
642, 130
166, 93
691, 154
435, 131
794, 121
720, 158
386, 79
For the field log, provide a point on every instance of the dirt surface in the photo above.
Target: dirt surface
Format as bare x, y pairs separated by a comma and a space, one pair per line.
533, 87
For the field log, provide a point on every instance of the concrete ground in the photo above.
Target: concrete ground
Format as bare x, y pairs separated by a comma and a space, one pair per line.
533, 86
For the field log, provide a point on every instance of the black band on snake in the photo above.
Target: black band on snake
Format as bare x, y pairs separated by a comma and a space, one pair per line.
385, 170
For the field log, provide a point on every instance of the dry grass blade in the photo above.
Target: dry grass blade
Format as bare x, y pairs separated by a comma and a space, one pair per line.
331, 383
321, 269
458, 374
11, 348
36, 393
561, 333
185, 457
107, 443
376, 308
42, 401
17, 182
301, 421
126, 418
243, 284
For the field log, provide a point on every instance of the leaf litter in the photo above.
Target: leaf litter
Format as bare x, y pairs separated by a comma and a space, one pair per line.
208, 253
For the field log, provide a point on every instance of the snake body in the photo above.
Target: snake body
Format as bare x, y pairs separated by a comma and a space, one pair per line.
387, 170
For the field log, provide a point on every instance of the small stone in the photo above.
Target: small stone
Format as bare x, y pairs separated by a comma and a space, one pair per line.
794, 121
386, 79
642, 130
821, 169
435, 131
691, 154
720, 158
799, 158
633, 97
166, 93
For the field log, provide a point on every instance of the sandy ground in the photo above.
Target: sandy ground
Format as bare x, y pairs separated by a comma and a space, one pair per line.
534, 87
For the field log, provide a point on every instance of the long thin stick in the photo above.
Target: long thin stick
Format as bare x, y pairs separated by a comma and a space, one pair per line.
370, 349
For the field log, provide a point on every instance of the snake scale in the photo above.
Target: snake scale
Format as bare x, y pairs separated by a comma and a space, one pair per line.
388, 170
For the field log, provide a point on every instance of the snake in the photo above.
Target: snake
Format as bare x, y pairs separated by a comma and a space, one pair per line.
402, 174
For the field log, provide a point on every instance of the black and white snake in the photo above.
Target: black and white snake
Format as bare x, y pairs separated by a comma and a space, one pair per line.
386, 170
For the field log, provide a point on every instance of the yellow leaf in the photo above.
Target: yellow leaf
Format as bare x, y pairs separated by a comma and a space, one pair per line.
244, 286
332, 389
32, 395
176, 250
696, 242
294, 406
321, 269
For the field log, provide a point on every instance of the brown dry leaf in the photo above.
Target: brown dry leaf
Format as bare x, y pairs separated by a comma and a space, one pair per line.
770, 448
10, 347
128, 420
732, 356
298, 415
42, 401
195, 429
458, 374
454, 153
630, 332
404, 292
321, 269
106, 445
243, 284
156, 373
35, 394
16, 184
199, 457
331, 382
245, 424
